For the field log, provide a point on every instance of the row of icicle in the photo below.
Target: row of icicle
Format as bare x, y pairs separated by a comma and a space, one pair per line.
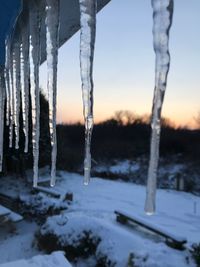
20, 80
21, 77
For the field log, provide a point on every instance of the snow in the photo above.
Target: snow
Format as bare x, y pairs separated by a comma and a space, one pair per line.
9, 215
116, 241
48, 190
3, 211
102, 197
151, 226
56, 259
93, 210
14, 217
124, 167
18, 245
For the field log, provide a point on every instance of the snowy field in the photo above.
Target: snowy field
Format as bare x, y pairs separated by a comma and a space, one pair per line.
93, 209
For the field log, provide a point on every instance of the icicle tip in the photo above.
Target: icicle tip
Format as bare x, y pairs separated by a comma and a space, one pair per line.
35, 185
149, 213
52, 183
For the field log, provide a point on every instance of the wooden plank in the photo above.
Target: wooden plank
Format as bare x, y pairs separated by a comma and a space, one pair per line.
177, 242
4, 211
14, 217
48, 191
9, 215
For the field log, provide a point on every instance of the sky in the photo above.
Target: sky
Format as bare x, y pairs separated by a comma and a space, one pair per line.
124, 64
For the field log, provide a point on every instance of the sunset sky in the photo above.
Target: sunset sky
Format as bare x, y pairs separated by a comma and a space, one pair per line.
124, 64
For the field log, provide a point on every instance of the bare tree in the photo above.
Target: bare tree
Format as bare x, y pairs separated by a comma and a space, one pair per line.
125, 117
197, 119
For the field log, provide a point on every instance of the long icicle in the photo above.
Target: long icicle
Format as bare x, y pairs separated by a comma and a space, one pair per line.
52, 29
2, 103
11, 101
16, 86
87, 43
34, 57
162, 20
24, 65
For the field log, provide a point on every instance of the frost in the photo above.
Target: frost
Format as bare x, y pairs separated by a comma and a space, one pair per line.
87, 42
162, 19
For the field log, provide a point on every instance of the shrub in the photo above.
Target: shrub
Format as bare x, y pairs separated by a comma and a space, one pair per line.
81, 247
196, 253
79, 240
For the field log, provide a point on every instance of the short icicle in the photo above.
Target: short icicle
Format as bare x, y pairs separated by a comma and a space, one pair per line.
2, 104
87, 43
24, 70
162, 20
52, 30
7, 81
34, 60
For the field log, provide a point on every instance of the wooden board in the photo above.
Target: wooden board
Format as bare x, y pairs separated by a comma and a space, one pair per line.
4, 211
48, 191
14, 217
171, 239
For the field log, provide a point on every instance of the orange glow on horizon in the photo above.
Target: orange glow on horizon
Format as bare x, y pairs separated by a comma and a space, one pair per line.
177, 119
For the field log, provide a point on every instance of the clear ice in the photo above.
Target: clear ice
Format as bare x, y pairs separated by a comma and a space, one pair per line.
162, 20
52, 30
2, 103
7, 81
87, 42
34, 60
24, 70
11, 100
16, 88
23, 60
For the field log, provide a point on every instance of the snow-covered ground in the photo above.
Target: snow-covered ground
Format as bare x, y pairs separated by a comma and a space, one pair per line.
93, 208
19, 244
56, 259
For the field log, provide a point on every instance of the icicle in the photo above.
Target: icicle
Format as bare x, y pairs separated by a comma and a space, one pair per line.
52, 28
2, 103
24, 70
16, 89
34, 57
11, 101
87, 42
7, 81
162, 17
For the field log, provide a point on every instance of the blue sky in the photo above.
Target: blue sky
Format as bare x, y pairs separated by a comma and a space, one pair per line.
124, 64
